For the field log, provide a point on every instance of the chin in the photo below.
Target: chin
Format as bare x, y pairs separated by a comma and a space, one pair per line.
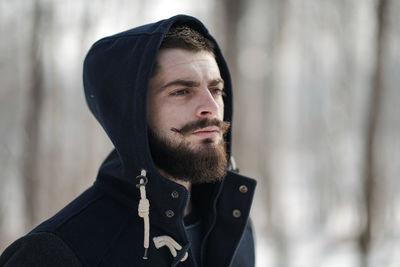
205, 144
209, 141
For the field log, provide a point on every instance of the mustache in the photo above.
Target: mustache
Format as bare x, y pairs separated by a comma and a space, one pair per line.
193, 126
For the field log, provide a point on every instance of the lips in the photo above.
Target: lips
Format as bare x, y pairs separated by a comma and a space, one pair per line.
207, 131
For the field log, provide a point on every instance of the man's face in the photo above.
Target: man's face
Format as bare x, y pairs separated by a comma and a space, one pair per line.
186, 88
184, 114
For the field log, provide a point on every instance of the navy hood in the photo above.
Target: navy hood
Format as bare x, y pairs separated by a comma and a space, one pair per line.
116, 74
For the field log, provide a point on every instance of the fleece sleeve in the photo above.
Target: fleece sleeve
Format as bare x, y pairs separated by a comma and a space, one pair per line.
38, 249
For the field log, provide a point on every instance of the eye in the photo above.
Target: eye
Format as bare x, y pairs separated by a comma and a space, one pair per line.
180, 92
217, 91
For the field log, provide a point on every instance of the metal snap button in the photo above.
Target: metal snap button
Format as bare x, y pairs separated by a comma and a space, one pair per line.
174, 194
243, 189
169, 213
236, 213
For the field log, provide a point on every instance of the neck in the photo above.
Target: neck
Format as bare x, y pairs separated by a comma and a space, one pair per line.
186, 184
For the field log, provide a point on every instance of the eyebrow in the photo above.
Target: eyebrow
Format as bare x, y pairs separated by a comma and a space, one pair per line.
189, 83
216, 82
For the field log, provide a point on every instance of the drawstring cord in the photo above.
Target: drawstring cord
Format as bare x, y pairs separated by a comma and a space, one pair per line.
160, 241
143, 210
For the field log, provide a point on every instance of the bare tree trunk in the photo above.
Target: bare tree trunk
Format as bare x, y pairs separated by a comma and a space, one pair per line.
233, 11
374, 112
269, 109
265, 153
31, 159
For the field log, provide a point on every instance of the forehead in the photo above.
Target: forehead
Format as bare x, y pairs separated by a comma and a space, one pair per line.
176, 61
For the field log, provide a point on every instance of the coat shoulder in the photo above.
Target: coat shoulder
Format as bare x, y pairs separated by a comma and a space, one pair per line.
91, 226
39, 249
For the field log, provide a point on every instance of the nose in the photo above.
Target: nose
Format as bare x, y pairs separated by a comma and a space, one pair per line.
207, 105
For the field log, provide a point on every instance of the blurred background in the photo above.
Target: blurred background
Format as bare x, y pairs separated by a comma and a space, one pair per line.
317, 105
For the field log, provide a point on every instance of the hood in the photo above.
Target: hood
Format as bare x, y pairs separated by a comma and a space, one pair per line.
116, 74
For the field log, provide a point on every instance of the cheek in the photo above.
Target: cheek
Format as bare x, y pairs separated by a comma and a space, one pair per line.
154, 114
221, 109
150, 114
164, 117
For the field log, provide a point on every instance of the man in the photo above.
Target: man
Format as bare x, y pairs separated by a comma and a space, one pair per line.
163, 197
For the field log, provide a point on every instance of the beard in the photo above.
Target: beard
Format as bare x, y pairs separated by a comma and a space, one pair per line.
205, 164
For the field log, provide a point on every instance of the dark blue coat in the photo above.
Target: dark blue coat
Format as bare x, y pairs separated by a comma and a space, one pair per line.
102, 226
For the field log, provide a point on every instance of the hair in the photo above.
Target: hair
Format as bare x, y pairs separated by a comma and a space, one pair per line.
187, 38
